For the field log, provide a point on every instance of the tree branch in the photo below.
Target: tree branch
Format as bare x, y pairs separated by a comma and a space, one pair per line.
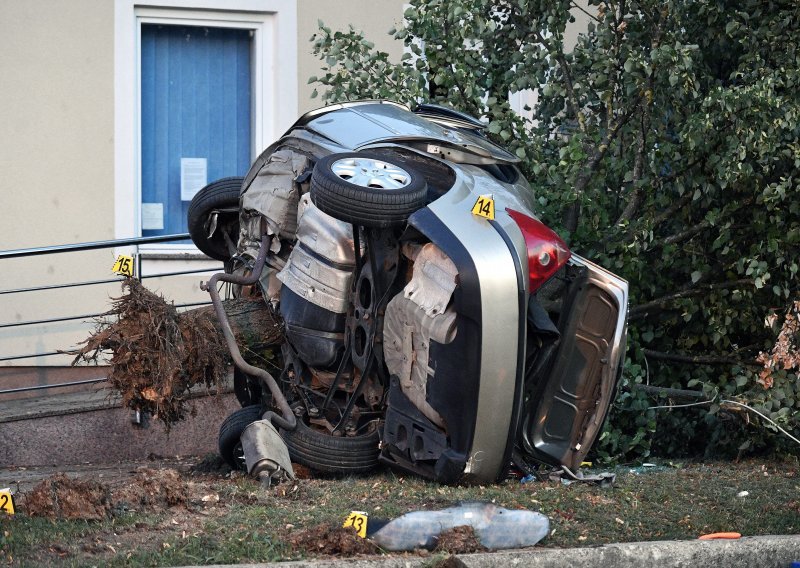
695, 359
565, 69
642, 310
687, 234
573, 214
575, 5
638, 168
687, 291
641, 151
670, 211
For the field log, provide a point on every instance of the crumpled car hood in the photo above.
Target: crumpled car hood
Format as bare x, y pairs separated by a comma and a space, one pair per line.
359, 124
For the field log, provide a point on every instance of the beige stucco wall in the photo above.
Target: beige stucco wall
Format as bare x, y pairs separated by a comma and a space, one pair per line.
375, 19
57, 155
56, 159
57, 127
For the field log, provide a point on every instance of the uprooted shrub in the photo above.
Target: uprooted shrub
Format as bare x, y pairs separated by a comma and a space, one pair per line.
157, 353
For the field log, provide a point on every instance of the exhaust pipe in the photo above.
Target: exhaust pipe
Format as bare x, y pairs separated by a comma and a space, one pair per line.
288, 421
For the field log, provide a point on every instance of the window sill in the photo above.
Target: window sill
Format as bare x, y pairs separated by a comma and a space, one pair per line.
172, 255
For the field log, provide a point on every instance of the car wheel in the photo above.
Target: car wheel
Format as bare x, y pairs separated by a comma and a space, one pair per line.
367, 189
324, 453
218, 195
230, 433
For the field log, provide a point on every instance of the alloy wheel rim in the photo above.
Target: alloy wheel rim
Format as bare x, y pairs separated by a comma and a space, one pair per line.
370, 172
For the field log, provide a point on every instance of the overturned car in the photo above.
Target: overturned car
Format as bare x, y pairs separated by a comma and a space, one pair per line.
432, 322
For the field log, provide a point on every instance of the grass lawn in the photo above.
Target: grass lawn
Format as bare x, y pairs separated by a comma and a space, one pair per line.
223, 519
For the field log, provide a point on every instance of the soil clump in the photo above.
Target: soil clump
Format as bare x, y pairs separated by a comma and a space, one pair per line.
459, 540
327, 540
61, 497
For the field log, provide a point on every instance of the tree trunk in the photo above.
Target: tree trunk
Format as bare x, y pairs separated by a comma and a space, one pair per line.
254, 323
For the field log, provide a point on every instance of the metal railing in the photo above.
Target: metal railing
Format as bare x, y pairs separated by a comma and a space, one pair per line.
79, 247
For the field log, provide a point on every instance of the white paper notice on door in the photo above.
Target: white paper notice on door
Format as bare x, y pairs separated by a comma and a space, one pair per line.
194, 176
152, 216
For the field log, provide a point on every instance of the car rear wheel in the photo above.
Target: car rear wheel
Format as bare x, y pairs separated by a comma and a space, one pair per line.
367, 189
220, 198
338, 455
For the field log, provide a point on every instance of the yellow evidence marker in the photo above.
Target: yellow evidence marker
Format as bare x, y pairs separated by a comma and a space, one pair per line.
357, 520
6, 501
484, 207
123, 265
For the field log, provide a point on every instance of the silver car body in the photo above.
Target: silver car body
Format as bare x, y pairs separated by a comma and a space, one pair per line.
497, 250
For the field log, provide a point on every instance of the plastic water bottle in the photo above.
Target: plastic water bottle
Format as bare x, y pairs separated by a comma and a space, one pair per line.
495, 527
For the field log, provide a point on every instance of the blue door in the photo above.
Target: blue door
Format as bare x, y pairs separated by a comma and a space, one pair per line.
196, 112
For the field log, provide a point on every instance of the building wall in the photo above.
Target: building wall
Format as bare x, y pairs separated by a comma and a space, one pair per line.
375, 19
57, 155
57, 126
56, 159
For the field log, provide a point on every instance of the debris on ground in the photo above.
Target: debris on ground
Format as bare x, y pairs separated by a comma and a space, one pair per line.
60, 497
721, 536
152, 488
459, 540
301, 471
158, 353
324, 539
211, 464
493, 526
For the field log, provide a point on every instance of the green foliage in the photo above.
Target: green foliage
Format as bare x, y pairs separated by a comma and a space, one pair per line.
665, 146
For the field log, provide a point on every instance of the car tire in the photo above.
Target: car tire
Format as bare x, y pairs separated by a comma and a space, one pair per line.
230, 433
223, 193
367, 189
337, 455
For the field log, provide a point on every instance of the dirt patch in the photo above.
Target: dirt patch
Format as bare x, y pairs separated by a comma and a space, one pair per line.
459, 540
324, 539
211, 464
60, 497
152, 488
449, 562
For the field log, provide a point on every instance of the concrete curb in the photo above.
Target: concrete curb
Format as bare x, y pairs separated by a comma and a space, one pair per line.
749, 552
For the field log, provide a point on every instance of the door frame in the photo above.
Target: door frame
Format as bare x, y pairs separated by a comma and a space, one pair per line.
274, 76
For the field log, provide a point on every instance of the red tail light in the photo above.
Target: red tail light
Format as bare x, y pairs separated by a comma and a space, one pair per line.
547, 252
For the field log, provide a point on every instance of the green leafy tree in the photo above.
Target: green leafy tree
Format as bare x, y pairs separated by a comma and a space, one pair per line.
665, 146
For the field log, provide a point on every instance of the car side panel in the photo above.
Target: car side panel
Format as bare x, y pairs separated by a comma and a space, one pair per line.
499, 294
